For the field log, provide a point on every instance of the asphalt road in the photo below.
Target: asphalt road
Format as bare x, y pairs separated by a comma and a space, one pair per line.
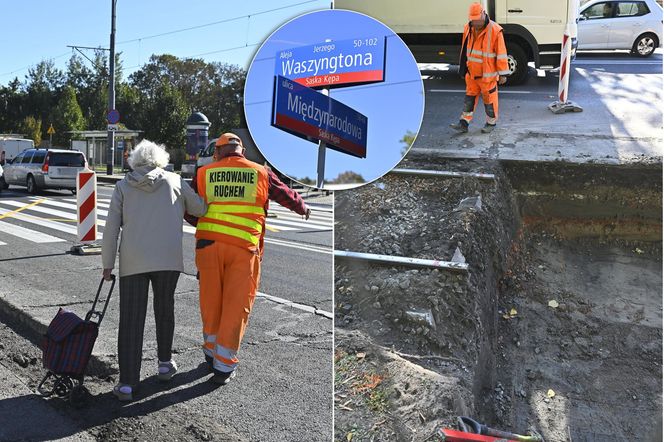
283, 387
621, 121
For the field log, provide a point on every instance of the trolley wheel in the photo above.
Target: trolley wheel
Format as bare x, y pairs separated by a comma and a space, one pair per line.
79, 396
63, 386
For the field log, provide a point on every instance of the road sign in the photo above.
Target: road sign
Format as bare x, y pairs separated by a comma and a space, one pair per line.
50, 130
337, 63
113, 116
309, 114
113, 127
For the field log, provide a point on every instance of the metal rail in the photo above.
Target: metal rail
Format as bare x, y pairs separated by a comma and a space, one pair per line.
415, 262
444, 174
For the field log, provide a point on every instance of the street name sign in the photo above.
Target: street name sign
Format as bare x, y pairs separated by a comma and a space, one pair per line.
333, 64
312, 115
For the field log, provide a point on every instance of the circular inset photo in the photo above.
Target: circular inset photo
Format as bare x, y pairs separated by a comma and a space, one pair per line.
334, 99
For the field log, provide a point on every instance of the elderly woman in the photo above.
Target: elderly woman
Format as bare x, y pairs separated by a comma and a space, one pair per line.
148, 206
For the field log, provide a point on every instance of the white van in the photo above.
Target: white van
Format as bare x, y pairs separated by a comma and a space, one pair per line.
433, 29
10, 147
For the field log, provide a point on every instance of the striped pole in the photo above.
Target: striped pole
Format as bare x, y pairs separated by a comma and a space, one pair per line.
563, 105
86, 201
565, 59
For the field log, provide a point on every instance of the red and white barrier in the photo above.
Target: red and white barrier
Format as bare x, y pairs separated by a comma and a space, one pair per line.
562, 105
565, 59
86, 201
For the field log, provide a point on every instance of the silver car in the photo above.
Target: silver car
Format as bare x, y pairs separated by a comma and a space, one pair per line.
634, 24
45, 169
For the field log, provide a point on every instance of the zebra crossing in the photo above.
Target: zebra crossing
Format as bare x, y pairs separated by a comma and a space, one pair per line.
57, 218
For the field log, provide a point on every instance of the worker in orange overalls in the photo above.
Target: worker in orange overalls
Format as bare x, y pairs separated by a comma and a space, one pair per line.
483, 63
229, 246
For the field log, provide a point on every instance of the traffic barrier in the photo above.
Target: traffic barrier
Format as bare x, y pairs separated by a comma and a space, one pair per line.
563, 105
86, 213
86, 201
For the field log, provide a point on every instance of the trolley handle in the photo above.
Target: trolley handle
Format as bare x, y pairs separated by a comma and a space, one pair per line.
93, 312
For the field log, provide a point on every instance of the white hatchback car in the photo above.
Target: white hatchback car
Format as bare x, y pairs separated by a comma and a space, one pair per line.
635, 25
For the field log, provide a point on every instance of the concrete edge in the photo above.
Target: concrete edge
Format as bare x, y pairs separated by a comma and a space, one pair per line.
36, 329
440, 154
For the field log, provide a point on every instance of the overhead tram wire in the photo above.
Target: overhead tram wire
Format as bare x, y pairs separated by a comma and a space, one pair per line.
175, 31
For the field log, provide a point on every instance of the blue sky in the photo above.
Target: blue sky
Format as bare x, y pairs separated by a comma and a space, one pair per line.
393, 108
34, 30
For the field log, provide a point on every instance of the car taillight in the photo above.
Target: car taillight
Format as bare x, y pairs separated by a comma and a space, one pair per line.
45, 166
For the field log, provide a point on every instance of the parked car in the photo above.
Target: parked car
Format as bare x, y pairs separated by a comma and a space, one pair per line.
633, 25
39, 169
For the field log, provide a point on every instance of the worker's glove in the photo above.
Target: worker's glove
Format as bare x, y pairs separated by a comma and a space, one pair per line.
502, 80
306, 215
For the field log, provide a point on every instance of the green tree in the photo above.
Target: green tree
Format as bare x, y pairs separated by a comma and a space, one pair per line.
348, 177
12, 105
67, 116
408, 141
31, 127
43, 85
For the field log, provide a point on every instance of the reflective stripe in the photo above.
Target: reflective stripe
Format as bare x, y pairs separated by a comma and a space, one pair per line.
477, 60
255, 225
489, 54
507, 72
226, 230
475, 51
489, 74
502, 57
222, 208
224, 359
491, 120
466, 114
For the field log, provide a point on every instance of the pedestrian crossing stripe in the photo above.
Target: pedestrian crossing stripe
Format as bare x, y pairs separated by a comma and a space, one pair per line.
30, 235
285, 221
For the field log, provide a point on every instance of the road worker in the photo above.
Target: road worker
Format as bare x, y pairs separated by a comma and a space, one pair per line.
483, 64
229, 246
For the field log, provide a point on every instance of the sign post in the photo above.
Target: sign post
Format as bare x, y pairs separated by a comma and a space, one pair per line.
50, 133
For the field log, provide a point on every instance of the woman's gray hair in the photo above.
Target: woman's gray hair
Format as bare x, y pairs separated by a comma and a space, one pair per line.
147, 153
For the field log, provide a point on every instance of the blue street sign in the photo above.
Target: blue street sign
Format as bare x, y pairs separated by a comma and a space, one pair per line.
309, 114
113, 116
336, 63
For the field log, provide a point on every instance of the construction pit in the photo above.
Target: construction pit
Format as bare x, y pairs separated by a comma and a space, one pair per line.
553, 325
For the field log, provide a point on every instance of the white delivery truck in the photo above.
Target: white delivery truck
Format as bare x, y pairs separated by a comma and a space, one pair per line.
10, 147
433, 29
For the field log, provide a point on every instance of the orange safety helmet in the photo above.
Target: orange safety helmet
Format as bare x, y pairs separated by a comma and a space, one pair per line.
228, 138
475, 11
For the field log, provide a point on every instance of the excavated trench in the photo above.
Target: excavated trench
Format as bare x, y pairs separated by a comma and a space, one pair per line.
585, 278
556, 327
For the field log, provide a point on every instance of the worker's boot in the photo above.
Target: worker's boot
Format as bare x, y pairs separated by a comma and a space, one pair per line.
461, 126
488, 128
222, 378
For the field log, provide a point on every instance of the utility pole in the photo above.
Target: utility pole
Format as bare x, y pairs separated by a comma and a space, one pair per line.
111, 93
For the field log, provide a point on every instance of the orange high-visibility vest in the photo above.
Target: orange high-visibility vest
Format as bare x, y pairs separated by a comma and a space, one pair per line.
485, 52
236, 191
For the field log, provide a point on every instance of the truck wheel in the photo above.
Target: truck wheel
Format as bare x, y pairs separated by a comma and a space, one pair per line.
645, 45
32, 185
517, 61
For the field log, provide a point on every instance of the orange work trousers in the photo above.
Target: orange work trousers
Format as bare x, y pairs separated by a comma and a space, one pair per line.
489, 93
229, 278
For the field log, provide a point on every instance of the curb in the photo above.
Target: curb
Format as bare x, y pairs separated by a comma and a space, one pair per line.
12, 316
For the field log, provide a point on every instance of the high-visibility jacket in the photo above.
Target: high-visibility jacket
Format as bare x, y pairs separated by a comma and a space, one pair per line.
236, 191
486, 55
